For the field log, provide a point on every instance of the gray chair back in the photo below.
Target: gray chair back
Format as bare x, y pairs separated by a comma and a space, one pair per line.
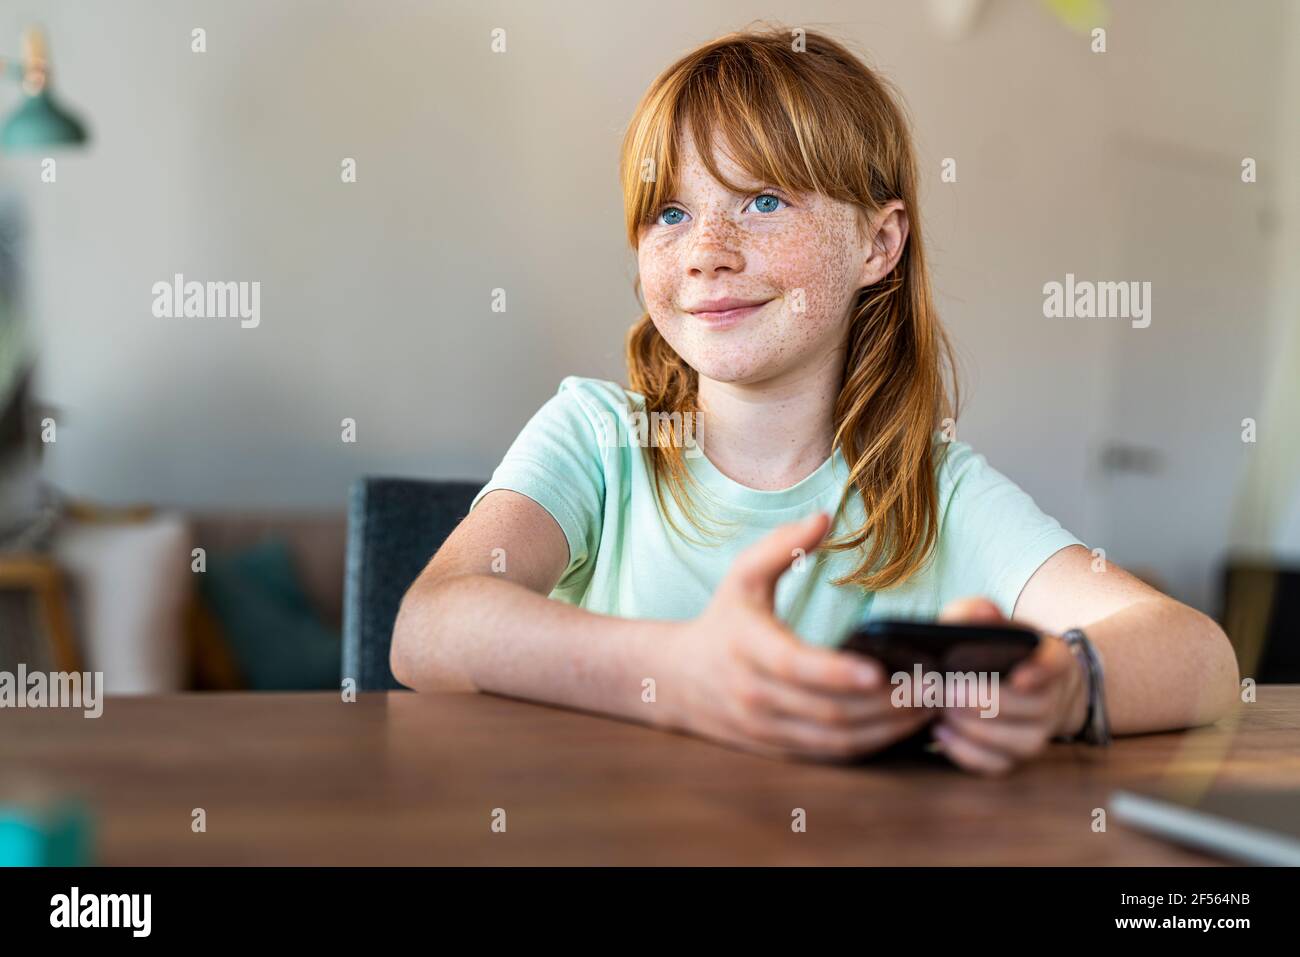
394, 527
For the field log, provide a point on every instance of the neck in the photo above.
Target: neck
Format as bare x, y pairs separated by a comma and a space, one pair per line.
773, 434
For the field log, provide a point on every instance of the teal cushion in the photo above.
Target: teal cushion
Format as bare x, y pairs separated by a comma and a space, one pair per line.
278, 640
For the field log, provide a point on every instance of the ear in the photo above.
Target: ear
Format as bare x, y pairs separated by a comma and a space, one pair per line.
886, 238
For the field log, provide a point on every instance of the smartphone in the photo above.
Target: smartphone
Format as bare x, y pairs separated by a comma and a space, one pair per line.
901, 645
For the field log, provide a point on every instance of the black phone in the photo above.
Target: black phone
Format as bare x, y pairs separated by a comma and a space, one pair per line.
901, 645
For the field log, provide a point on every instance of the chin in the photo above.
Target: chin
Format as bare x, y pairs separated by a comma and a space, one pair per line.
729, 368
722, 357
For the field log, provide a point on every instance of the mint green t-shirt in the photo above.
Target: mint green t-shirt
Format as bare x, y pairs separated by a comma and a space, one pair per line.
579, 460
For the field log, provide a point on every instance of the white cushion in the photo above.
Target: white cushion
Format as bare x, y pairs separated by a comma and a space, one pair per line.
130, 584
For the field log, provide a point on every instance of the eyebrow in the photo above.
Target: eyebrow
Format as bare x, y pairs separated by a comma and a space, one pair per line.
756, 185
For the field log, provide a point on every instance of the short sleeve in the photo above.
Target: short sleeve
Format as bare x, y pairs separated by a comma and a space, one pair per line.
557, 461
994, 536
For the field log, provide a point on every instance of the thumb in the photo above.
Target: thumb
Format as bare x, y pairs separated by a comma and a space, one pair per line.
755, 571
974, 609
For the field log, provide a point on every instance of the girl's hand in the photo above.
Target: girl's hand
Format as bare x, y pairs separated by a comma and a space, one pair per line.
1045, 696
743, 678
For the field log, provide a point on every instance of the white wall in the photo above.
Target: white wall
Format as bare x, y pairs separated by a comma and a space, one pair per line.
1267, 515
479, 171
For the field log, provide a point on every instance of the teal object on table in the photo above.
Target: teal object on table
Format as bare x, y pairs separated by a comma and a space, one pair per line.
55, 836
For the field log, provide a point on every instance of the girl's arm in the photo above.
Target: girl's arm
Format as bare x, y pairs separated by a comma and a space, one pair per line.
736, 674
1166, 665
463, 626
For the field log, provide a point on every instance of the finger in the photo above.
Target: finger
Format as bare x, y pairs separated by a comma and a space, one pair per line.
1049, 662
814, 739
966, 753
1004, 700
755, 571
775, 696
973, 609
1015, 739
777, 652
1010, 706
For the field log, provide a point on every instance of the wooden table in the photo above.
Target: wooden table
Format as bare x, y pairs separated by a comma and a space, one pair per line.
401, 778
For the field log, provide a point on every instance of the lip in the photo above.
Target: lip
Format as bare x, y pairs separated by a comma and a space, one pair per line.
720, 313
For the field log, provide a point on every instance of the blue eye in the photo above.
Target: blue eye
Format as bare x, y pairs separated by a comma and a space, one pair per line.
765, 202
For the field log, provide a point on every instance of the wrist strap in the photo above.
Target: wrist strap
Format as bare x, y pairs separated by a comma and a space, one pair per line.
1096, 726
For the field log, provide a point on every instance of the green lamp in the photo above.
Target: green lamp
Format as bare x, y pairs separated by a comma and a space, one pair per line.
39, 120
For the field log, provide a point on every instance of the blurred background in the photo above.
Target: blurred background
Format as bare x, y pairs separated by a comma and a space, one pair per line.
128, 441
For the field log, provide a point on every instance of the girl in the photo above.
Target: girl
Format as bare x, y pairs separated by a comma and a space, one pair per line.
659, 554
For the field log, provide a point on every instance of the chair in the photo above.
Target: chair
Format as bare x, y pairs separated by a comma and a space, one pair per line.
1260, 601
40, 576
394, 527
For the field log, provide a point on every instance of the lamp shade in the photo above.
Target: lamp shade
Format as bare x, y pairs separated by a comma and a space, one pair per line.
40, 121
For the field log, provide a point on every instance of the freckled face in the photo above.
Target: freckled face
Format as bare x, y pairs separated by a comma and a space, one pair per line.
801, 253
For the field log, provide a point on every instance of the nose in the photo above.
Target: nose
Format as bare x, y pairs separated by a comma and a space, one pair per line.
715, 247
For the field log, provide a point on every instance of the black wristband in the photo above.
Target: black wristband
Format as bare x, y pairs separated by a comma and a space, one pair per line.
1096, 726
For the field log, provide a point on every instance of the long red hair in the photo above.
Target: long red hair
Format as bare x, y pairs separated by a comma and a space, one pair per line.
798, 109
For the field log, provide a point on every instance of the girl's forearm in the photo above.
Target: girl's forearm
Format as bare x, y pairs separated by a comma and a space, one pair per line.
478, 632
1167, 666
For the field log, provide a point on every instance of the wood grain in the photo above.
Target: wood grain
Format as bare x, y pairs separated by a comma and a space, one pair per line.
400, 778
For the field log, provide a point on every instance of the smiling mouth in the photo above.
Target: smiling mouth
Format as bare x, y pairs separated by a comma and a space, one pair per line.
728, 317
